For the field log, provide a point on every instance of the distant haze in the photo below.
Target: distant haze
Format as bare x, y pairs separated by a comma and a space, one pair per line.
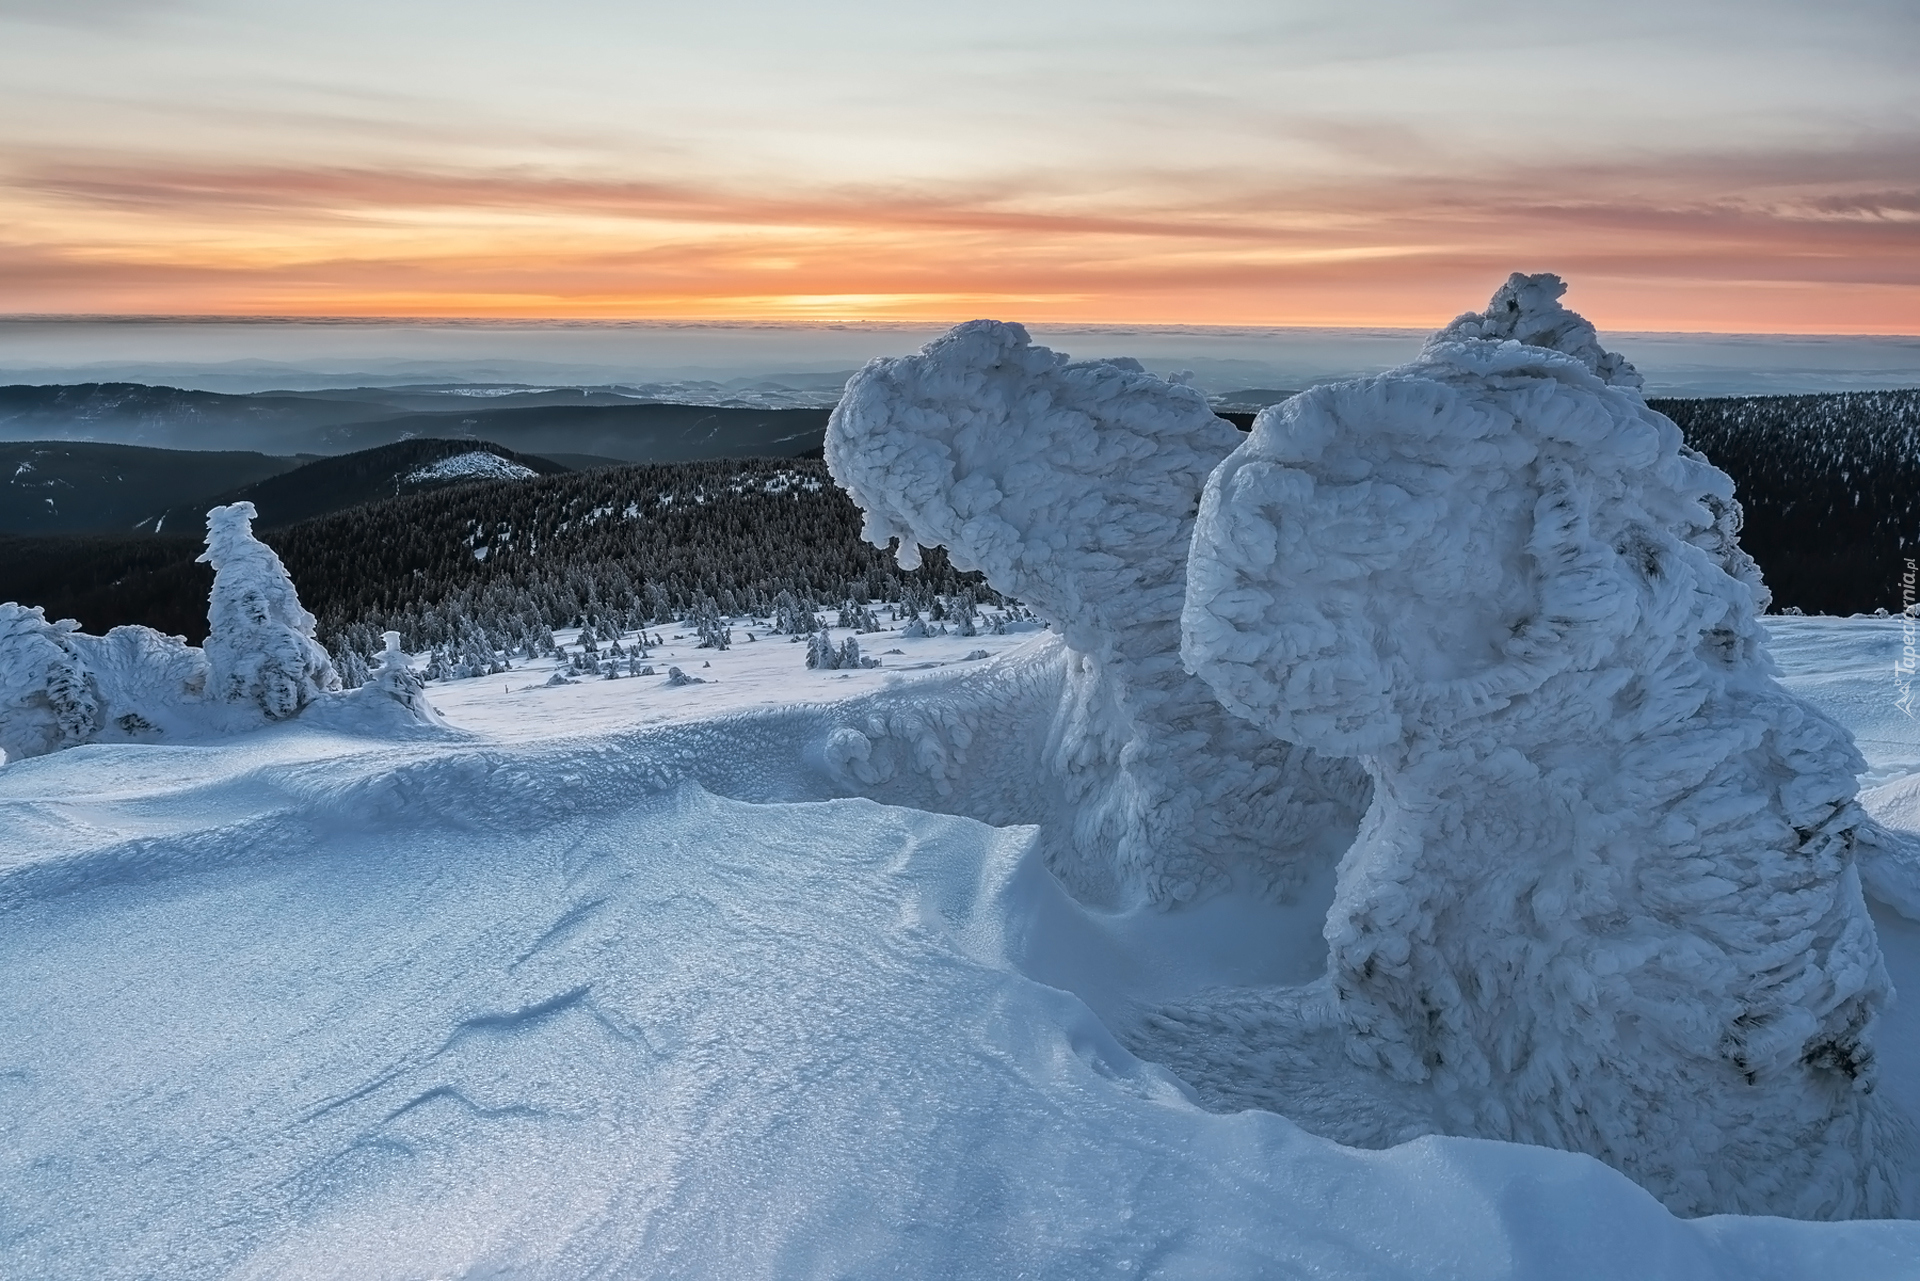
810, 361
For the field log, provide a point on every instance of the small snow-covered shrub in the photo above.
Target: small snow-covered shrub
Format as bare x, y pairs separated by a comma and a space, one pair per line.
60, 687
47, 697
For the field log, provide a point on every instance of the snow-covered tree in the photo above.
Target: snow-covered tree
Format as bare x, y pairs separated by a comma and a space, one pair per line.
47, 696
261, 644
1073, 486
966, 617
709, 625
395, 679
352, 668
792, 617
857, 617
821, 653
1606, 898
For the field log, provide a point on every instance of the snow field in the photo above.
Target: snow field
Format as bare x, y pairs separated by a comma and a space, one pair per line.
555, 1007
765, 673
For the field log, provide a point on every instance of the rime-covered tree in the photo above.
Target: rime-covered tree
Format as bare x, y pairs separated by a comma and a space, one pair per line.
260, 642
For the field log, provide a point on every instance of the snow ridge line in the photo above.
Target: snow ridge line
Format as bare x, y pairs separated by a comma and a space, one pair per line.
919, 750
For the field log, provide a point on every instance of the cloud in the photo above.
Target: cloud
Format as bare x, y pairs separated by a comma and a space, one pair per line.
1805, 240
88, 13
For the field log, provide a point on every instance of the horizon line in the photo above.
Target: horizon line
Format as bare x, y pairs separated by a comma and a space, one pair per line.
790, 322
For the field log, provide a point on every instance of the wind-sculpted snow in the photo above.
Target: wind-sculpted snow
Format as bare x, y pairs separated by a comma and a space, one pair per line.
1606, 896
1072, 486
451, 1007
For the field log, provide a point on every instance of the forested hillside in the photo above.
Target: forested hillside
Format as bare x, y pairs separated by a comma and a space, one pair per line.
389, 471
1830, 485
645, 542
75, 487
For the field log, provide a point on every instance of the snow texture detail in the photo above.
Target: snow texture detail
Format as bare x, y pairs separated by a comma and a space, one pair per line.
1606, 895
1072, 486
261, 644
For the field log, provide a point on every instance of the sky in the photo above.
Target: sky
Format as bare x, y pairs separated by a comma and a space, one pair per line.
1689, 165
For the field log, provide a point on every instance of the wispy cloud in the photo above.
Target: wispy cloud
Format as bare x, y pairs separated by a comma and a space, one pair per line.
1259, 164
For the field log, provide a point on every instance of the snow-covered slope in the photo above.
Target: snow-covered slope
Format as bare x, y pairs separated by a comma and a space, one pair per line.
648, 1000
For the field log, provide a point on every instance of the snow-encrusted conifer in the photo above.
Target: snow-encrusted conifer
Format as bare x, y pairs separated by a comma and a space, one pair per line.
1073, 486
1606, 898
47, 696
261, 644
821, 653
351, 667
395, 679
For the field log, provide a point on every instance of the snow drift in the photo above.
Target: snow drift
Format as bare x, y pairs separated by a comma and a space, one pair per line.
1606, 897
1072, 486
646, 1002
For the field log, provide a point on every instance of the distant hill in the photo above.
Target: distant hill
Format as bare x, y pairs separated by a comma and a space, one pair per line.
170, 418
386, 471
57, 487
539, 551
636, 433
543, 421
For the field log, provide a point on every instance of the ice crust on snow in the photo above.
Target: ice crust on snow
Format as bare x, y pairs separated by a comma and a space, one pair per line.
1606, 896
1072, 486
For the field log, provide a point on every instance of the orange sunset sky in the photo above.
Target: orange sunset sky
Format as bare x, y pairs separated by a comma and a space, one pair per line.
1750, 167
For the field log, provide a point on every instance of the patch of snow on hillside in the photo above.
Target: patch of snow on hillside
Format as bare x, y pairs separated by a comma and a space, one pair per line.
477, 465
